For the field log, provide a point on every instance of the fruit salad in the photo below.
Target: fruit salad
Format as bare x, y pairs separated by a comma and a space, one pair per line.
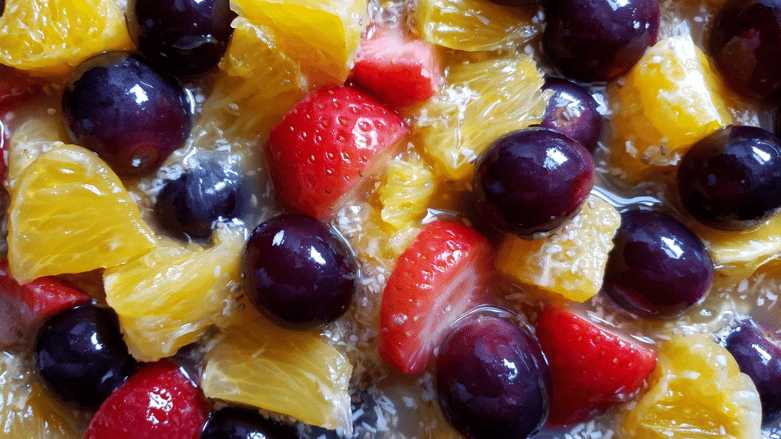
390, 219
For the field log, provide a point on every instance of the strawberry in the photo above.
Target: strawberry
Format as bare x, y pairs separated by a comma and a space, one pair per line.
442, 274
591, 367
45, 296
327, 144
399, 69
159, 402
14, 86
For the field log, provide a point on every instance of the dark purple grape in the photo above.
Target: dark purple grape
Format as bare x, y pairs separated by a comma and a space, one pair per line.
778, 122
299, 272
191, 203
745, 44
731, 179
181, 37
657, 267
572, 111
493, 380
118, 106
597, 40
2, 7
244, 423
532, 181
81, 356
515, 3
758, 353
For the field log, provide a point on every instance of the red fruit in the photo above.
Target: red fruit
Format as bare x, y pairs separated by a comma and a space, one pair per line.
45, 296
14, 86
441, 275
591, 367
399, 69
327, 144
159, 402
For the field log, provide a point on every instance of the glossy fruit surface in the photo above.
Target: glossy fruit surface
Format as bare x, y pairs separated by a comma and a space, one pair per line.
758, 354
298, 271
243, 423
657, 268
181, 37
129, 114
190, 204
598, 41
731, 179
441, 275
532, 181
572, 111
697, 392
70, 213
591, 366
159, 401
49, 38
81, 355
744, 41
327, 144
493, 380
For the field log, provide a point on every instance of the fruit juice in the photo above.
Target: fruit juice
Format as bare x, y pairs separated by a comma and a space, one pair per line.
227, 130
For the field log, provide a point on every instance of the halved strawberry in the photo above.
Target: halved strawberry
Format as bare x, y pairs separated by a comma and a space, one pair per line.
159, 402
327, 144
45, 296
444, 272
591, 366
399, 69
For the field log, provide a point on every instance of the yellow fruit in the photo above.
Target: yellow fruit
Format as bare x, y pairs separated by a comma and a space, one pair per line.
69, 213
485, 99
322, 36
50, 37
737, 255
293, 373
570, 262
474, 25
696, 391
26, 410
168, 297
669, 100
406, 191
257, 84
36, 136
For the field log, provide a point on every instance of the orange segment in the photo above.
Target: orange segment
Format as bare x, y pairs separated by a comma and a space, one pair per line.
293, 373
669, 100
50, 37
696, 392
35, 137
570, 262
70, 213
406, 191
474, 25
168, 297
486, 97
322, 37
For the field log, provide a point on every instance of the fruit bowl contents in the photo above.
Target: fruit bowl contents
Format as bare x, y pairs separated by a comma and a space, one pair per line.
390, 219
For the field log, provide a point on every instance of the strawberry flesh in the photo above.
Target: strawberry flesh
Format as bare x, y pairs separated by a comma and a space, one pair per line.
159, 402
397, 68
591, 367
441, 275
327, 144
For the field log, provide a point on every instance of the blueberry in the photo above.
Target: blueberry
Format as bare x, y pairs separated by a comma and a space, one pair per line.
572, 111
81, 355
532, 181
133, 117
758, 354
244, 423
745, 45
657, 267
181, 37
731, 179
191, 203
492, 380
596, 40
298, 271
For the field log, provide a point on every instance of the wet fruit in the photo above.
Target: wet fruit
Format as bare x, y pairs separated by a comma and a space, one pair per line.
572, 111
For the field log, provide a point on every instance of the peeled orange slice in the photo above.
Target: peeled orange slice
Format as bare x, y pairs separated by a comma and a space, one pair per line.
168, 297
31, 140
50, 37
293, 373
70, 213
406, 191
